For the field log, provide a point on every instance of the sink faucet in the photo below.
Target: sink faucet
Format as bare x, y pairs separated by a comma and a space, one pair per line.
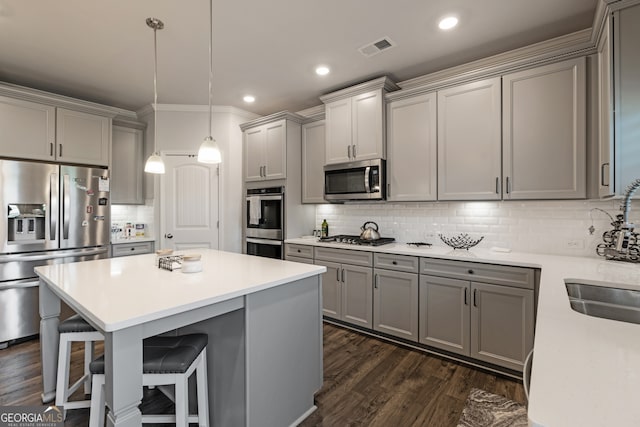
622, 243
626, 228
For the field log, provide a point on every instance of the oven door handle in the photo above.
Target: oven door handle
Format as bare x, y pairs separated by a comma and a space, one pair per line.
367, 184
274, 197
264, 241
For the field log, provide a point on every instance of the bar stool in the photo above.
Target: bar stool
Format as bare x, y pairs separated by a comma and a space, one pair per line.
74, 329
165, 361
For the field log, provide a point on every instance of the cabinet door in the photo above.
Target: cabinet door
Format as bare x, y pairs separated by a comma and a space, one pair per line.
469, 141
254, 146
338, 131
412, 149
126, 166
502, 324
313, 152
544, 131
27, 129
275, 165
367, 121
395, 303
357, 295
331, 289
444, 313
83, 138
606, 159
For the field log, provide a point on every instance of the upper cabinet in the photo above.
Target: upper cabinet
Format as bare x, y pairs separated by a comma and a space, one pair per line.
412, 149
469, 146
313, 152
355, 122
265, 146
544, 132
127, 165
43, 132
606, 155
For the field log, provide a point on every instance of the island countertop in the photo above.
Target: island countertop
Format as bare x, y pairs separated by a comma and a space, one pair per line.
120, 292
586, 370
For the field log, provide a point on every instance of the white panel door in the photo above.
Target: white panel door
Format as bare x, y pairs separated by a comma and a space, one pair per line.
412, 156
469, 141
544, 132
367, 114
189, 203
338, 136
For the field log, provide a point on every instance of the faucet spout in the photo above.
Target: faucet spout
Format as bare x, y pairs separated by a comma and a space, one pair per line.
625, 207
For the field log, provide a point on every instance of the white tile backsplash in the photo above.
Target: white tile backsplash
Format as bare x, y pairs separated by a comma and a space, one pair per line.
553, 227
122, 214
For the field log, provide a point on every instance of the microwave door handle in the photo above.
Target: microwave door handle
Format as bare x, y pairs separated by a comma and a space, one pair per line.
53, 205
66, 206
367, 184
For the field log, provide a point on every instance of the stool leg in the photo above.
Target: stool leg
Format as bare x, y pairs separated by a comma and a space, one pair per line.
89, 347
202, 390
96, 416
182, 400
62, 382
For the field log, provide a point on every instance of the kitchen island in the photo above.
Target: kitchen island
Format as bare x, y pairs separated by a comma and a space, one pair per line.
263, 318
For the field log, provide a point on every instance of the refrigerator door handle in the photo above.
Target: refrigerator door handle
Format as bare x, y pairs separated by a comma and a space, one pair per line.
22, 283
66, 208
53, 206
39, 256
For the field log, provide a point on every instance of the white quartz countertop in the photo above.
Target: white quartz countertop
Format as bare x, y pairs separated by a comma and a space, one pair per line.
116, 293
586, 370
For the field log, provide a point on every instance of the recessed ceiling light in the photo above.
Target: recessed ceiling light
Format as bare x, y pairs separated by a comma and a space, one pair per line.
448, 23
249, 98
322, 70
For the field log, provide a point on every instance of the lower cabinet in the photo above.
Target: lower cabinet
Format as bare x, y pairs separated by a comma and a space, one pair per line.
395, 308
131, 248
487, 322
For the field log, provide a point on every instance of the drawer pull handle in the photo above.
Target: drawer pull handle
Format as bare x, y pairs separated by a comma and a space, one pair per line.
470, 271
299, 251
394, 262
133, 249
475, 301
465, 297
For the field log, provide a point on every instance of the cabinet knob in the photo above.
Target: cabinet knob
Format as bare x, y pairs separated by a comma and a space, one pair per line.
470, 271
394, 262
299, 251
133, 249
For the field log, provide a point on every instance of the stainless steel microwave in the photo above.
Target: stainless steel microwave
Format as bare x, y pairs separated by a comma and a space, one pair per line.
364, 180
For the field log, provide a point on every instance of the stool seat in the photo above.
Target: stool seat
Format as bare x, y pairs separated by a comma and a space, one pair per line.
164, 355
75, 323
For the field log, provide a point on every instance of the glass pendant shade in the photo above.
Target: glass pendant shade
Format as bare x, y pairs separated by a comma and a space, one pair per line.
209, 151
154, 164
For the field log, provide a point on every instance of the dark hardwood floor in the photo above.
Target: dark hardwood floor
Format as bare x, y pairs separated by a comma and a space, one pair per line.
367, 382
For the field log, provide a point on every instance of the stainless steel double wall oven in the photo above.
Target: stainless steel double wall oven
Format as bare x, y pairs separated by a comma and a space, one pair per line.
264, 227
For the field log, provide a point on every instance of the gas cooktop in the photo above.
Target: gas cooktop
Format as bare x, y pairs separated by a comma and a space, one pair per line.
356, 240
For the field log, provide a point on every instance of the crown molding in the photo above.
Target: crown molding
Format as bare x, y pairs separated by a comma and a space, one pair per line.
61, 101
272, 118
313, 114
615, 5
187, 108
381, 83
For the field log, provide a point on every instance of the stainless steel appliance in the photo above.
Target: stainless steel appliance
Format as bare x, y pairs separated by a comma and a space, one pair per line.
265, 222
364, 180
356, 240
53, 214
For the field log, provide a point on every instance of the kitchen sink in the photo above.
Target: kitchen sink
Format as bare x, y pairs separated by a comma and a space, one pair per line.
605, 302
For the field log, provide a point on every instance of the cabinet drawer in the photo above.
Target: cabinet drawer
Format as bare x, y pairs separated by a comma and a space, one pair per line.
344, 256
519, 277
125, 249
302, 251
409, 264
299, 259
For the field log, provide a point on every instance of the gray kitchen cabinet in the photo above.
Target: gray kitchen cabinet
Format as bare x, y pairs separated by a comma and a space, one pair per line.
43, 132
412, 158
469, 141
131, 248
127, 166
355, 122
544, 132
607, 180
395, 303
313, 155
299, 259
347, 289
298, 251
481, 311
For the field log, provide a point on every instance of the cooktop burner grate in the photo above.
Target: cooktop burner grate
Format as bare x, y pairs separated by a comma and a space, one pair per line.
356, 240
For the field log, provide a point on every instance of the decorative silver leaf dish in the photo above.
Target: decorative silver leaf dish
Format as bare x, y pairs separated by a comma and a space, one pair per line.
460, 241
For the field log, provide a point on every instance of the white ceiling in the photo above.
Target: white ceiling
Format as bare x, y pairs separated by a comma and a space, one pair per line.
102, 51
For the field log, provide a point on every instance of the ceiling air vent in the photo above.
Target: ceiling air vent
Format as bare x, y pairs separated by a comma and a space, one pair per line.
377, 46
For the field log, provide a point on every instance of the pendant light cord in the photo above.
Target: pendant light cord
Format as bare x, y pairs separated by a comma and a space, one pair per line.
210, 62
155, 90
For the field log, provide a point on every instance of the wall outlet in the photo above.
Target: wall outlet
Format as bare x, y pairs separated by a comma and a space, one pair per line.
575, 244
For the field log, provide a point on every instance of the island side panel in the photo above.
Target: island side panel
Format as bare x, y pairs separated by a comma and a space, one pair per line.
49, 306
284, 352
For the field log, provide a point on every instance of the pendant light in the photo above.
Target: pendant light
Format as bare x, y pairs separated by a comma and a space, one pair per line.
154, 162
209, 151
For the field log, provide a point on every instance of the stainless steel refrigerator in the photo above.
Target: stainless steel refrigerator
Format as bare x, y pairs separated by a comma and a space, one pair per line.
52, 214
